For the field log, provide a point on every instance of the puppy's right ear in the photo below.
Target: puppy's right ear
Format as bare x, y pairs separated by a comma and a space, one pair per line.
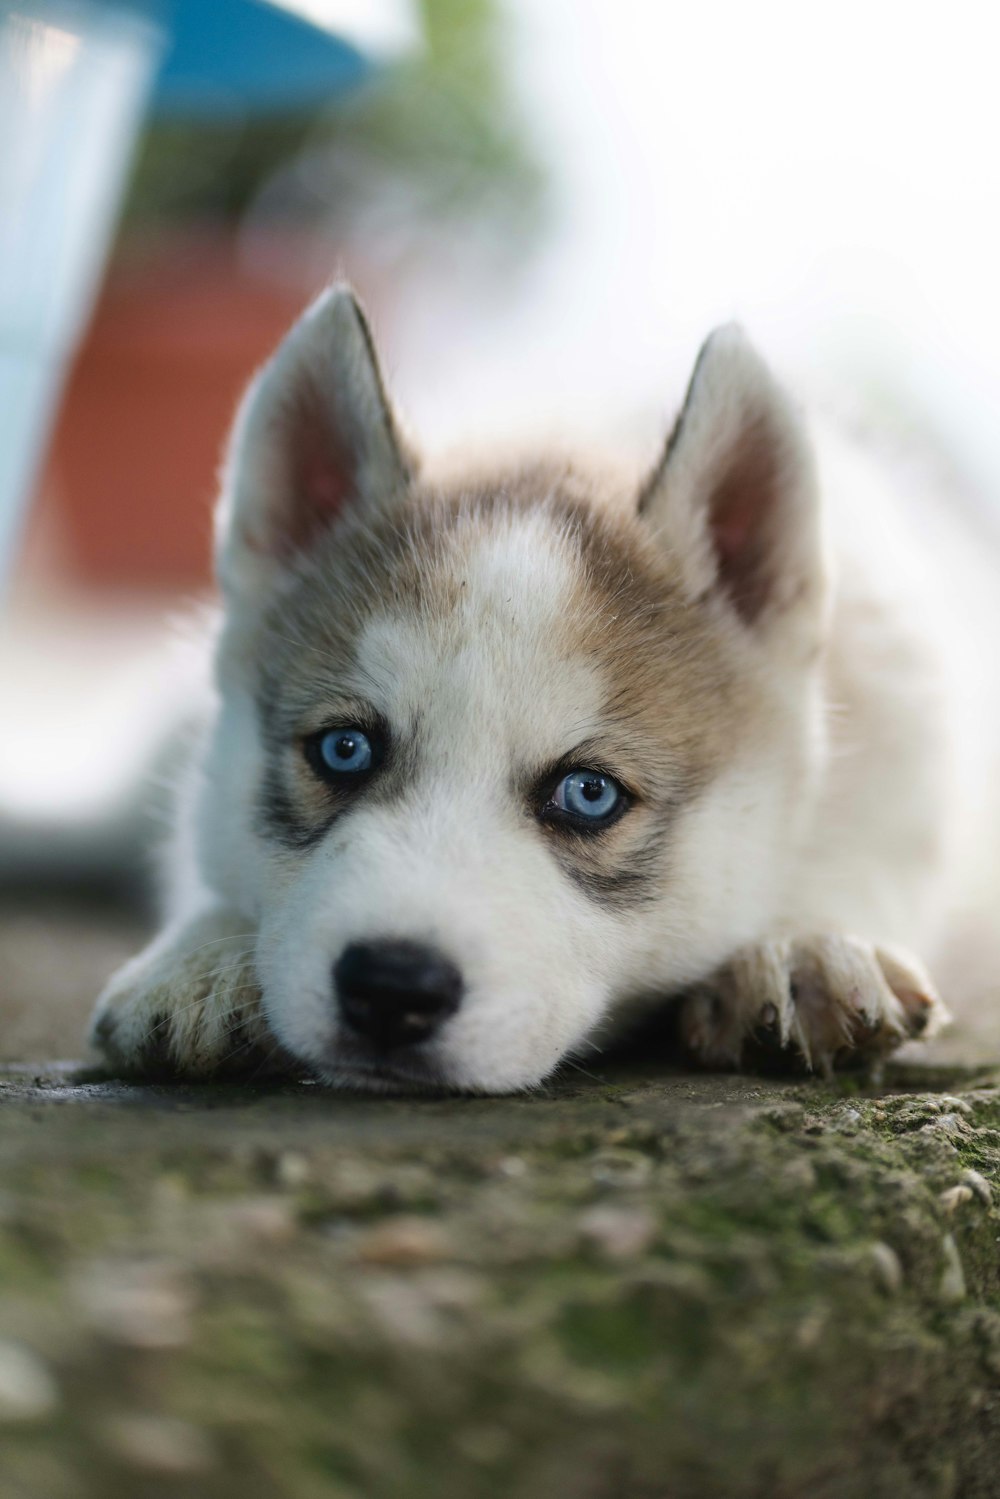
314, 435
735, 497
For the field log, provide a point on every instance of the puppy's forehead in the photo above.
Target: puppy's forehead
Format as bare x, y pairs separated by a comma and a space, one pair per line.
521, 605
494, 633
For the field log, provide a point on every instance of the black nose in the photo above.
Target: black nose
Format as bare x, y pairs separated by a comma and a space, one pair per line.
396, 993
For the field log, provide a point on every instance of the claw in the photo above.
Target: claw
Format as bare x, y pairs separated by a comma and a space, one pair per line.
827, 999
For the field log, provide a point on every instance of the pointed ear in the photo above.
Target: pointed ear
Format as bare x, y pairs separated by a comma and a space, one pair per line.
314, 435
734, 496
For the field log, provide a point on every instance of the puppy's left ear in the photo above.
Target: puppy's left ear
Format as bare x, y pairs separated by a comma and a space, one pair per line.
734, 497
314, 437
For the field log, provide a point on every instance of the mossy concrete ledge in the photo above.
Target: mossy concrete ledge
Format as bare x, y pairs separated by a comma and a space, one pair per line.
645, 1284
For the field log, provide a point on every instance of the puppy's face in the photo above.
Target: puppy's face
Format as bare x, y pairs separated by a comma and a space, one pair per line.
495, 758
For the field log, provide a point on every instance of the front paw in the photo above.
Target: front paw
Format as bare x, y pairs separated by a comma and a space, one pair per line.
186, 1009
826, 1001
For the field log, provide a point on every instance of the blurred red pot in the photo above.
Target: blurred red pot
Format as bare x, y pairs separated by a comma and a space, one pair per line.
134, 460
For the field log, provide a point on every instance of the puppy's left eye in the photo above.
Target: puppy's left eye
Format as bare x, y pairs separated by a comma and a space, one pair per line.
587, 798
344, 752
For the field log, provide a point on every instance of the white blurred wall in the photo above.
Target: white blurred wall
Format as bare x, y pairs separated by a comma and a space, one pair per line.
826, 173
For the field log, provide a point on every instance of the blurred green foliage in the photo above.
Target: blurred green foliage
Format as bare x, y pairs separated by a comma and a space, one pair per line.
430, 141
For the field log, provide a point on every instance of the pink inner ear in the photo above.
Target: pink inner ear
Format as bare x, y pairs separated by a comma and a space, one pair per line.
743, 519
322, 472
732, 525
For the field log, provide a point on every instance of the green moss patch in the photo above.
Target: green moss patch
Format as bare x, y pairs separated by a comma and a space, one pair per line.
651, 1285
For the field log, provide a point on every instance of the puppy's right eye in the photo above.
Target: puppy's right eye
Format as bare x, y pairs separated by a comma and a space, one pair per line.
343, 752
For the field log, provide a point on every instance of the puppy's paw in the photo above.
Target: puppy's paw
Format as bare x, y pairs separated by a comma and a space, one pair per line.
189, 1005
826, 1001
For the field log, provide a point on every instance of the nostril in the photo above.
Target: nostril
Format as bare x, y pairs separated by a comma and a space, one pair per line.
396, 993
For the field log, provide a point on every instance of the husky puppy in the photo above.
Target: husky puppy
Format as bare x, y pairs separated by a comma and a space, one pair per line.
496, 763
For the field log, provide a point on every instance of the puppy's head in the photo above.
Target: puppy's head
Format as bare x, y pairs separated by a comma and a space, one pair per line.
496, 757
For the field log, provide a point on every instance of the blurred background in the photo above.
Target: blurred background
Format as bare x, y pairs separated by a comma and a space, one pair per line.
545, 204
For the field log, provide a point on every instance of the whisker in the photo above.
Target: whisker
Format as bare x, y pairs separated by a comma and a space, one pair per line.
216, 941
569, 1062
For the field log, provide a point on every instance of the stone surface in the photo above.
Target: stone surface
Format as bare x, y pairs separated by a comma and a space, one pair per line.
635, 1284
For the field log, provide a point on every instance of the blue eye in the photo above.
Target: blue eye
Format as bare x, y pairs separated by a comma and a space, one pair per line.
588, 794
346, 751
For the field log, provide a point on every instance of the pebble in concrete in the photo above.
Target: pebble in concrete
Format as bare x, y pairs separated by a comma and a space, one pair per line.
27, 1390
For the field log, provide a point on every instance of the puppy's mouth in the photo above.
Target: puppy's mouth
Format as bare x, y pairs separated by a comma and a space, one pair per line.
362, 1069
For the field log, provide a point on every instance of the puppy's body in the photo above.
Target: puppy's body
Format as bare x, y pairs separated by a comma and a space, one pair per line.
784, 708
902, 842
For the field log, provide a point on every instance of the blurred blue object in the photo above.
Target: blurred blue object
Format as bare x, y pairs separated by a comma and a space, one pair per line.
236, 55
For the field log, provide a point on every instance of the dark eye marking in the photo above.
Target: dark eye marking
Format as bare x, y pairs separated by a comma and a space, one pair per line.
620, 889
280, 819
634, 880
342, 760
579, 798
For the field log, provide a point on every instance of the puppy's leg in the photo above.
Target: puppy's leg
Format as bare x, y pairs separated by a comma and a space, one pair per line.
190, 1003
828, 999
